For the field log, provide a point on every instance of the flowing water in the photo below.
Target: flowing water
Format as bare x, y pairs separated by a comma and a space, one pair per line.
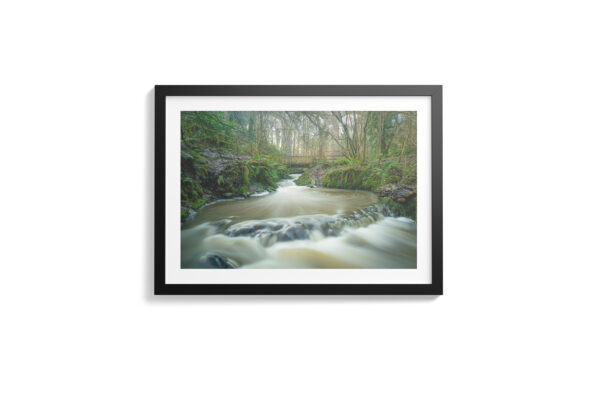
299, 227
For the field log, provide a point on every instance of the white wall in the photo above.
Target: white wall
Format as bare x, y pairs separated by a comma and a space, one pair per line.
520, 315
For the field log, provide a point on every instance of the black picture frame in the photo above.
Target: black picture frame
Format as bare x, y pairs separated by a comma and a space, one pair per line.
433, 288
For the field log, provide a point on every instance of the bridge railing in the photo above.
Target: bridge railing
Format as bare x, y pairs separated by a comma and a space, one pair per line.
309, 160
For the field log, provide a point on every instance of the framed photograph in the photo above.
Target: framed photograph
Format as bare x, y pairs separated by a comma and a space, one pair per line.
298, 190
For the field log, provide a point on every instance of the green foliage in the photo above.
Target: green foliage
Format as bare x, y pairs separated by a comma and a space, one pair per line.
382, 151
212, 129
361, 178
245, 180
189, 154
185, 212
192, 194
410, 173
265, 170
369, 175
304, 180
391, 165
409, 209
274, 174
190, 189
236, 131
198, 202
341, 162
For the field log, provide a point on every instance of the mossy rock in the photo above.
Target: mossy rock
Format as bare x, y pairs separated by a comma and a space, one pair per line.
202, 180
360, 178
368, 175
185, 213
304, 180
409, 209
199, 202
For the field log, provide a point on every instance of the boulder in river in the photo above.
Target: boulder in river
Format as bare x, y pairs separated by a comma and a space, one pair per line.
217, 261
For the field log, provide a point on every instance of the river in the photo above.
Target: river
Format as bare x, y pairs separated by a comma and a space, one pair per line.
298, 227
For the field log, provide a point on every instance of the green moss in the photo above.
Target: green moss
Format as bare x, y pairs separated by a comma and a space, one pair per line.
192, 194
199, 202
185, 212
239, 176
368, 175
264, 171
304, 180
234, 180
409, 209
361, 178
245, 187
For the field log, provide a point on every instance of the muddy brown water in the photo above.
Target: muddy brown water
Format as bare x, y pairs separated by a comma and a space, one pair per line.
298, 227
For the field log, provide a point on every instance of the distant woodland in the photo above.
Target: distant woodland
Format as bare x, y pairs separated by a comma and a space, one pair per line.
355, 135
227, 154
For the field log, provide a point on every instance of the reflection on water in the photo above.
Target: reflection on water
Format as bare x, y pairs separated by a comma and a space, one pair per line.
299, 227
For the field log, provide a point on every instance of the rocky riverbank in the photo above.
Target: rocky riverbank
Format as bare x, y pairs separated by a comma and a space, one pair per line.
208, 175
394, 183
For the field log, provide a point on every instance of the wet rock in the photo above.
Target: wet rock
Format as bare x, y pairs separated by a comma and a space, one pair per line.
286, 235
300, 232
242, 231
399, 193
219, 262
276, 227
333, 228
261, 226
222, 223
268, 232
218, 162
294, 232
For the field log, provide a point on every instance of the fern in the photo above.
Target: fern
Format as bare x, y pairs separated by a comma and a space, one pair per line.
392, 165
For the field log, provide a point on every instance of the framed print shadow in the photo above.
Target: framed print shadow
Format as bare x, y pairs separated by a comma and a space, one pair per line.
298, 190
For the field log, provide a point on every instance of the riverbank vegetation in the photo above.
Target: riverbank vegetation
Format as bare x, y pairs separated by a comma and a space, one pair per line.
393, 179
233, 154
